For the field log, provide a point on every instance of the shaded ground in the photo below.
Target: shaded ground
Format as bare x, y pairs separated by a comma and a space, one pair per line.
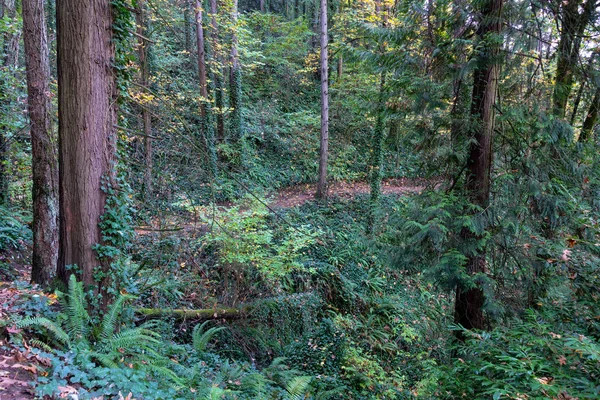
19, 366
294, 196
297, 195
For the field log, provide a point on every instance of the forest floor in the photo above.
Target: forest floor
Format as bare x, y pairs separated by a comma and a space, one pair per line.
297, 195
289, 197
19, 365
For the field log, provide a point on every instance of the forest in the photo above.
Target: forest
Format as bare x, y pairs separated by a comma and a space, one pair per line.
299, 199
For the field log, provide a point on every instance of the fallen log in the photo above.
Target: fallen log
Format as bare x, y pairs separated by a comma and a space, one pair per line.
201, 314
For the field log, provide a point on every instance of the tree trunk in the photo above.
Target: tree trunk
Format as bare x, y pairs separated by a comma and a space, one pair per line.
201, 57
340, 68
468, 310
573, 27
217, 71
591, 118
87, 137
205, 110
376, 161
262, 6
143, 51
322, 183
10, 56
187, 23
235, 91
43, 153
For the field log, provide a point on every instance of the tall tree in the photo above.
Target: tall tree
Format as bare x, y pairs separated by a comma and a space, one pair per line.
235, 79
468, 309
43, 152
10, 56
324, 145
143, 52
217, 70
573, 27
87, 137
205, 109
376, 158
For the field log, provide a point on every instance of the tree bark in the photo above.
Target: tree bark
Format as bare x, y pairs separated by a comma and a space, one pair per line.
235, 91
468, 310
324, 151
87, 137
143, 51
43, 152
10, 56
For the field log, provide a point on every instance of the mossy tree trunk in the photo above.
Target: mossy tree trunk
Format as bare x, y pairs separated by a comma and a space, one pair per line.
324, 142
208, 132
44, 163
144, 63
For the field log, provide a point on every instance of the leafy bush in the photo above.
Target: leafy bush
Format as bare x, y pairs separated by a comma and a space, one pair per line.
535, 356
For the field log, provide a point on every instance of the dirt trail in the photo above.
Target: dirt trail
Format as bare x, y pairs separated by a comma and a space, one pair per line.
294, 196
297, 195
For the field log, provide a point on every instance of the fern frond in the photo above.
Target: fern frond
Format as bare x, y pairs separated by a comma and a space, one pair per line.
297, 388
78, 318
57, 332
109, 321
200, 338
107, 360
131, 338
40, 345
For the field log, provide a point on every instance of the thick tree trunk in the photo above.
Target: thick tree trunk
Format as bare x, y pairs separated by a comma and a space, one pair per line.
143, 50
468, 310
87, 138
324, 147
573, 27
43, 152
10, 56
591, 118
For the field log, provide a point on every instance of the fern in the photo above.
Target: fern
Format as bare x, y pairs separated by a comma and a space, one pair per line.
200, 338
297, 388
57, 332
78, 319
109, 321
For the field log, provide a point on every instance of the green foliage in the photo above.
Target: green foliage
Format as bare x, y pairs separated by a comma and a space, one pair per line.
244, 239
14, 229
87, 345
535, 356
